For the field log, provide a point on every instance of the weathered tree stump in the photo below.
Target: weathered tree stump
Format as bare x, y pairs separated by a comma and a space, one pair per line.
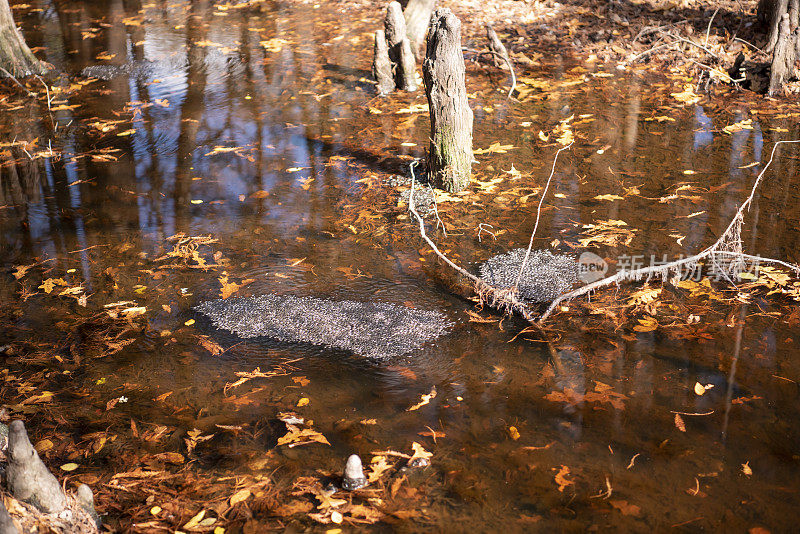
450, 157
382, 65
15, 56
418, 15
500, 56
27, 477
400, 48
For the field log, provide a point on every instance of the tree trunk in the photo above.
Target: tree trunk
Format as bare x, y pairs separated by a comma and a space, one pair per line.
499, 52
15, 56
783, 57
382, 65
399, 48
450, 157
418, 15
770, 13
781, 19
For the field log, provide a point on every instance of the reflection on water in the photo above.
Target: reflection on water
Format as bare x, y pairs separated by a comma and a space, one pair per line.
255, 125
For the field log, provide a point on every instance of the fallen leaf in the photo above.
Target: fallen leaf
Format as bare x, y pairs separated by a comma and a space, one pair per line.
746, 469
679, 424
240, 496
561, 479
425, 400
626, 508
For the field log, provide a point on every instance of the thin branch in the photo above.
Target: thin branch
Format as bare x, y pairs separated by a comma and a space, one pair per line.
717, 248
708, 30
538, 216
504, 58
14, 79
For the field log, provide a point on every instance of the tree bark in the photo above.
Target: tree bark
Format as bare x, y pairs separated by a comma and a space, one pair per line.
784, 56
382, 65
399, 48
770, 12
418, 15
15, 56
450, 156
499, 52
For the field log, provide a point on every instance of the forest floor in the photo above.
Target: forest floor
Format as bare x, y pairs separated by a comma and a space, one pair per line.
677, 36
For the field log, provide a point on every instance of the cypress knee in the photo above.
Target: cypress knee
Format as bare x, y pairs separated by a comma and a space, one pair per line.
418, 15
381, 65
499, 52
400, 48
450, 157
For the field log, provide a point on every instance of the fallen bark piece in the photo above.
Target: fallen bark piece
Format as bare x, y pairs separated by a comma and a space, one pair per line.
27, 477
450, 156
6, 523
382, 65
546, 275
372, 329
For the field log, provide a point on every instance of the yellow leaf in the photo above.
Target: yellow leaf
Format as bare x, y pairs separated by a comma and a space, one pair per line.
699, 389
240, 496
425, 399
303, 401
679, 424
419, 452
687, 96
190, 322
608, 197
494, 147
193, 522
69, 467
155, 510
746, 469
513, 433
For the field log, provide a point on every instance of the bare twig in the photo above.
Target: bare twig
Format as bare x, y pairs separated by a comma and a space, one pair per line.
46, 89
708, 30
504, 300
538, 216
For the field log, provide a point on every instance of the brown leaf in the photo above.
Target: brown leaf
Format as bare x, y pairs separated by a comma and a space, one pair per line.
625, 508
561, 478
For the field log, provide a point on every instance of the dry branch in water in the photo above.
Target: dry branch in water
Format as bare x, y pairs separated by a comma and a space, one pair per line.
726, 249
728, 245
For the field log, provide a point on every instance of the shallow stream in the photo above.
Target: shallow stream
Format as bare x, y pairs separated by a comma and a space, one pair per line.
258, 126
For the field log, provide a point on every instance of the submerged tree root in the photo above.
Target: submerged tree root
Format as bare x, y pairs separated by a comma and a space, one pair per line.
726, 254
